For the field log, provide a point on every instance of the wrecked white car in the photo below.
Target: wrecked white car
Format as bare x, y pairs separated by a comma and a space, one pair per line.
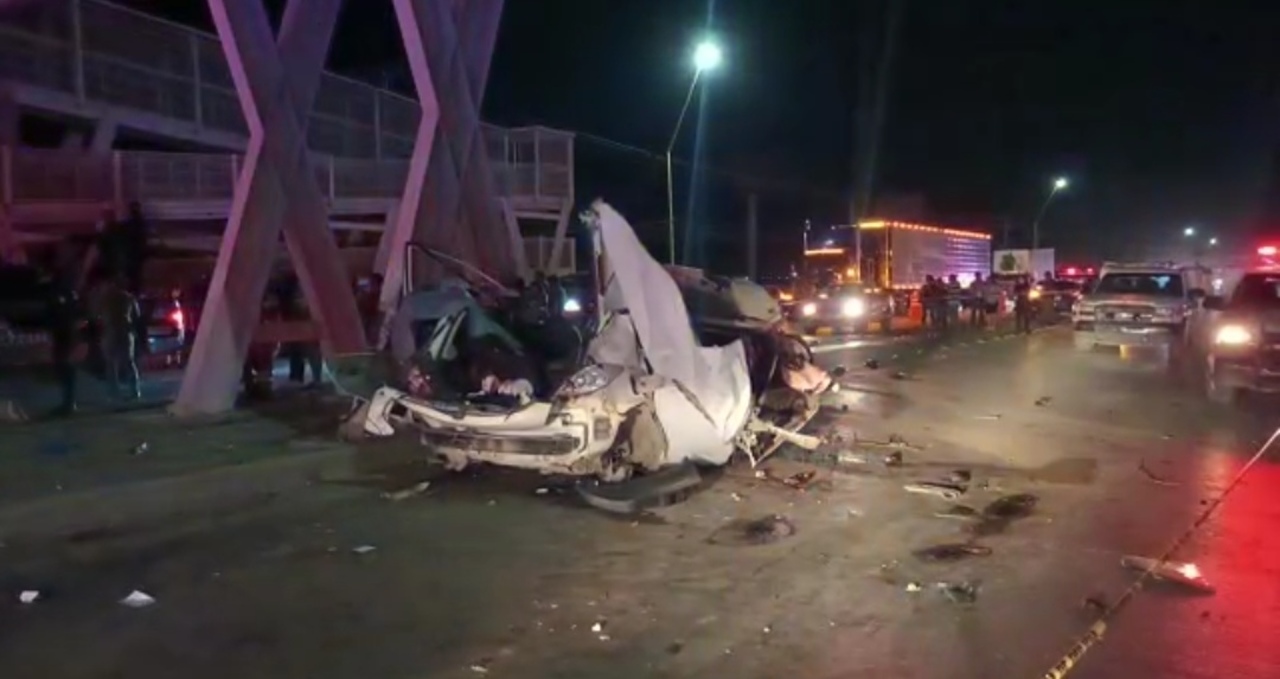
646, 395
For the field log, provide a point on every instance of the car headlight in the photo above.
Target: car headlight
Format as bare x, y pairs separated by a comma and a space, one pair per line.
572, 306
1034, 294
1233, 335
809, 309
590, 379
853, 308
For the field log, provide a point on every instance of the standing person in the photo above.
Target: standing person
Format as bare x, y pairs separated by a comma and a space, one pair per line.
928, 301
301, 355
978, 301
954, 293
119, 318
134, 234
1022, 304
64, 317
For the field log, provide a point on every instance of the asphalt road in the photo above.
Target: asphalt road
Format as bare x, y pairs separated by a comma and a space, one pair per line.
485, 576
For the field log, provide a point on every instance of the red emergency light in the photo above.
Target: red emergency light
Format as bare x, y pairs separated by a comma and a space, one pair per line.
1268, 251
1071, 271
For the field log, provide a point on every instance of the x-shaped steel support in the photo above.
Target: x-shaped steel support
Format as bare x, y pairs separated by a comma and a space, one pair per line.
449, 200
277, 84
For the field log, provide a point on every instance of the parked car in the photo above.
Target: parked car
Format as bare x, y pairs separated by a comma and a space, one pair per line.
647, 393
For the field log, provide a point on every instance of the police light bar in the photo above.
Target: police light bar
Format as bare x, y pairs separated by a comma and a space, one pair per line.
1268, 251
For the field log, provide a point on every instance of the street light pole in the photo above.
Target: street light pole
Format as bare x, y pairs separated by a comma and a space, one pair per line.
706, 57
1058, 184
671, 199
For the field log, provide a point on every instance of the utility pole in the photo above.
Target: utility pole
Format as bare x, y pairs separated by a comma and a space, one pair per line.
753, 238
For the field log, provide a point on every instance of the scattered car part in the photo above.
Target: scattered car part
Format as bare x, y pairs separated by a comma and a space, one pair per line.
1185, 574
943, 490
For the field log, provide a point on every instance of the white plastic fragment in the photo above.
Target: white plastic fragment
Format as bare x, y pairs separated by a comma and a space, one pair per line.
28, 596
138, 599
364, 549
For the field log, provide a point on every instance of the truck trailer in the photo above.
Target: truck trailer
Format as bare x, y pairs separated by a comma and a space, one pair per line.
900, 255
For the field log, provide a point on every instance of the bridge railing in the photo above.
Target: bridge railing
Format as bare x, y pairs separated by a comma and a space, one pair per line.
94, 52
46, 176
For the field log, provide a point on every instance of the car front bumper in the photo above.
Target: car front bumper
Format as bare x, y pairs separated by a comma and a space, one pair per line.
1115, 335
1246, 373
538, 436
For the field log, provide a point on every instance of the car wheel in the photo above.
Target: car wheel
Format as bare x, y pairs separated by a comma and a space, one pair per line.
1215, 392
1083, 343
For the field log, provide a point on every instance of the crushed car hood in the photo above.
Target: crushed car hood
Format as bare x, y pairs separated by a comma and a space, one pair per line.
716, 378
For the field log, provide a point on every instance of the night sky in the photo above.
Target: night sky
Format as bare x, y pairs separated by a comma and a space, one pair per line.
1162, 114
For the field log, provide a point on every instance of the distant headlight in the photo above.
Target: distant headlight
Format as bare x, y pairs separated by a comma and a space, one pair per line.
853, 308
809, 309
1233, 335
572, 306
1035, 293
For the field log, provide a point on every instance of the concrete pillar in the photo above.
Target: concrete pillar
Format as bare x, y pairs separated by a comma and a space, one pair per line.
276, 81
464, 217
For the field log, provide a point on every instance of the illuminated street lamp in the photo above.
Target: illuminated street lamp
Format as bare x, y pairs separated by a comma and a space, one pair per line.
1213, 241
1189, 231
706, 57
1059, 184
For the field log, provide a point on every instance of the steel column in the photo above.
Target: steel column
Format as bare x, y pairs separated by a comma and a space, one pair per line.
413, 209
458, 178
276, 84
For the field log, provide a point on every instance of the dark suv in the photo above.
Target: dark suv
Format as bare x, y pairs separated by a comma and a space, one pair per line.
1244, 338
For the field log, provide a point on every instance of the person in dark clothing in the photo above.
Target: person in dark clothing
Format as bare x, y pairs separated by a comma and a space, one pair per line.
300, 354
119, 323
64, 319
134, 235
1022, 304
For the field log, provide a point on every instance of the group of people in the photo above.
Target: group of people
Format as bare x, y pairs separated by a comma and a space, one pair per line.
944, 300
108, 309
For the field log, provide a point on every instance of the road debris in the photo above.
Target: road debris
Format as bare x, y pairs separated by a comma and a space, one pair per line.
753, 532
138, 599
1044, 401
913, 587
951, 552
479, 669
1153, 477
737, 497
12, 413
960, 477
1185, 574
598, 627
872, 364
363, 549
141, 448
900, 375
406, 493
893, 459
1002, 511
1094, 605
800, 480
28, 596
957, 512
959, 592
945, 491
991, 417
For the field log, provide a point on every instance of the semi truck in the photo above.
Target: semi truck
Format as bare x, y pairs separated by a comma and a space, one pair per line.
897, 255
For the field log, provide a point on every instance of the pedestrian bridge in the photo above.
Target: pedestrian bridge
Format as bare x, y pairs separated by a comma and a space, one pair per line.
116, 71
